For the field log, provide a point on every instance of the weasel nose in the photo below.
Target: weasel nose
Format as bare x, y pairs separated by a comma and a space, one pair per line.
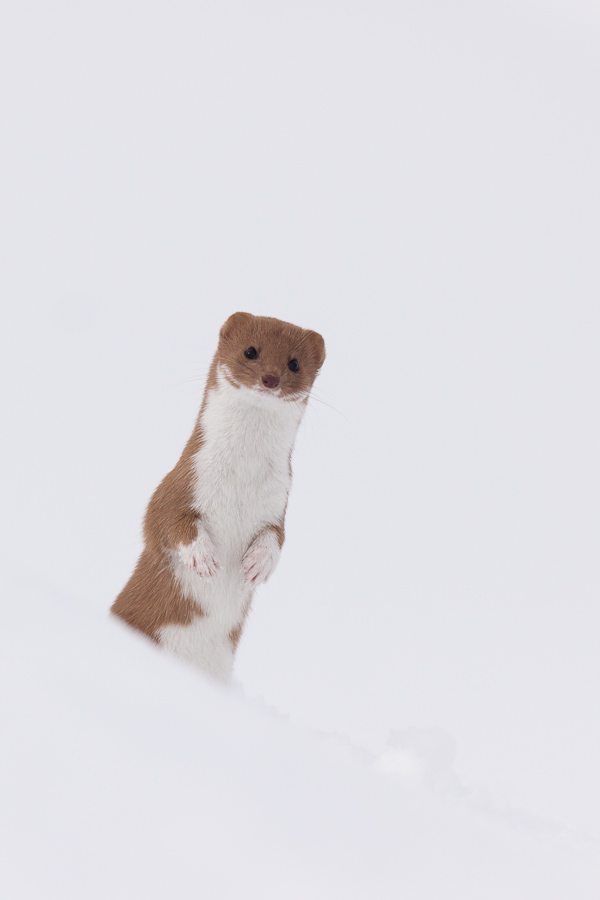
271, 381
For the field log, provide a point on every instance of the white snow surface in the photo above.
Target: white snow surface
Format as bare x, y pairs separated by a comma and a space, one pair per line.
125, 774
415, 711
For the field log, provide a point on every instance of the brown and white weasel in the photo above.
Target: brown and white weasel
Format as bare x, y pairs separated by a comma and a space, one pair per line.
214, 527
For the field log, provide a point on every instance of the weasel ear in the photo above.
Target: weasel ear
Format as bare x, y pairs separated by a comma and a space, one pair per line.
318, 345
234, 323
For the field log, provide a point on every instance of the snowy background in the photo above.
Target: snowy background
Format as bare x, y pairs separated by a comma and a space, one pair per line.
416, 705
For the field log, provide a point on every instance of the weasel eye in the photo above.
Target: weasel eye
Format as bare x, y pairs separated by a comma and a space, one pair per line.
251, 353
293, 365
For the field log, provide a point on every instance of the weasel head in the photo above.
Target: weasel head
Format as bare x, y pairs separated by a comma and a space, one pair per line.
270, 357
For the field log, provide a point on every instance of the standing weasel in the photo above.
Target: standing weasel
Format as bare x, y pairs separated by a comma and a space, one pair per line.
214, 527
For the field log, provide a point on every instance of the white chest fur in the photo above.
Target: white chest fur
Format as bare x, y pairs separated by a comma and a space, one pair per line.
242, 468
242, 480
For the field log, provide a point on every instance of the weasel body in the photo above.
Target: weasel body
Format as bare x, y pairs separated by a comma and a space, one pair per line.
214, 527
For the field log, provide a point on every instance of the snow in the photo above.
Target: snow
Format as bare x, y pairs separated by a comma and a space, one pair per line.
415, 710
126, 774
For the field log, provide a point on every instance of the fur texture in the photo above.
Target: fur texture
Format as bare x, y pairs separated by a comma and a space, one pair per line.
214, 527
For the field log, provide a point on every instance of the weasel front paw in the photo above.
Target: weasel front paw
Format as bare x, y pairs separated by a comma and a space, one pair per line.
200, 556
260, 558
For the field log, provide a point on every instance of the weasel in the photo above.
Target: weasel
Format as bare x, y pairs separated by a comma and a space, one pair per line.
214, 527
